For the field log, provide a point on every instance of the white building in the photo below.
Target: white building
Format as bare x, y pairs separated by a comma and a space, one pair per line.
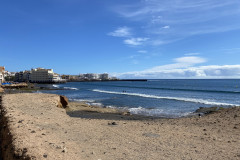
42, 75
38, 75
104, 76
2, 74
57, 77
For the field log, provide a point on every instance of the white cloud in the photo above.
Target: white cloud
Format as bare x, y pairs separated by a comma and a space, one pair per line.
191, 54
184, 67
142, 51
201, 72
190, 60
135, 41
166, 27
121, 32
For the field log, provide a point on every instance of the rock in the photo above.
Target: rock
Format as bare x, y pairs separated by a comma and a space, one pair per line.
45, 155
126, 113
63, 103
207, 110
20, 121
1, 90
112, 123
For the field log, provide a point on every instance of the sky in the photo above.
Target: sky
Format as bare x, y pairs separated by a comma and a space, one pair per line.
155, 39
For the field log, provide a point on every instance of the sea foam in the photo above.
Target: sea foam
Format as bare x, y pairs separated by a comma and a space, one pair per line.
56, 86
71, 88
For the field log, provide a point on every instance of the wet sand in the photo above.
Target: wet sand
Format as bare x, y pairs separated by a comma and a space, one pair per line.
41, 130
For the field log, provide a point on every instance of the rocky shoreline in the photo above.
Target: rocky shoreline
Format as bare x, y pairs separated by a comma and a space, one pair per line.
33, 126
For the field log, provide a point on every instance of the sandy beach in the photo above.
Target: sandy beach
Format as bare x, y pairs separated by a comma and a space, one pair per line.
33, 127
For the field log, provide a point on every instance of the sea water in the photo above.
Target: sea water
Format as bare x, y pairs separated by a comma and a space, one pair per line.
162, 98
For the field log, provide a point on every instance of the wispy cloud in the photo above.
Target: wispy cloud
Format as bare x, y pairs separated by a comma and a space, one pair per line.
179, 63
142, 51
191, 54
190, 60
121, 32
186, 18
135, 41
166, 27
231, 51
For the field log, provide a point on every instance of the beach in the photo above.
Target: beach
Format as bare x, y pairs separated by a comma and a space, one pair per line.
35, 127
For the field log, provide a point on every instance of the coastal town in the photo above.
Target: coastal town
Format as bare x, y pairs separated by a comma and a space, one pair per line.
42, 75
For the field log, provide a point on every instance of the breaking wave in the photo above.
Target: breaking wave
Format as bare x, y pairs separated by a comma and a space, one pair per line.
158, 112
71, 88
56, 86
202, 101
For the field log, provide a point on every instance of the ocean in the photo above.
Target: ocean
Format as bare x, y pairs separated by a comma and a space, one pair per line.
161, 98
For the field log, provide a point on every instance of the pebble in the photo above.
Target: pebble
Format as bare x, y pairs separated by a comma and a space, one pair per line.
20, 121
112, 123
64, 150
45, 155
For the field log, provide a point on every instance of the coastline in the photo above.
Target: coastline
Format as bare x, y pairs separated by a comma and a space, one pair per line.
41, 130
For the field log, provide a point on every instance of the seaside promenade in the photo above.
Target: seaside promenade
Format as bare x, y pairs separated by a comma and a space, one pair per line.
36, 126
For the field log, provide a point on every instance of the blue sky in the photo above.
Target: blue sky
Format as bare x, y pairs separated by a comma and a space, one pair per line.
127, 39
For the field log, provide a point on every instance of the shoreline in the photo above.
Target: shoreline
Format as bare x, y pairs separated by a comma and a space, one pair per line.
39, 129
201, 111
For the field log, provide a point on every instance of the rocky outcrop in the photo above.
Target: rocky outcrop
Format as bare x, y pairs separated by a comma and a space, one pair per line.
19, 85
208, 110
63, 102
1, 90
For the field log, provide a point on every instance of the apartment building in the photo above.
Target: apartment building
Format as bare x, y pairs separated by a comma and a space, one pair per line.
23, 76
41, 75
104, 76
1, 78
38, 75
2, 69
93, 76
